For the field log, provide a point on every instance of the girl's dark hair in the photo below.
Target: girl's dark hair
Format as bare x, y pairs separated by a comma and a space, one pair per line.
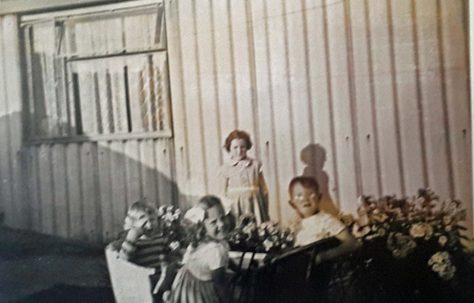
197, 232
306, 182
237, 134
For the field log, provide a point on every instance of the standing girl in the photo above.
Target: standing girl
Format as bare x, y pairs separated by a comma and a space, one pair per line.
202, 278
242, 185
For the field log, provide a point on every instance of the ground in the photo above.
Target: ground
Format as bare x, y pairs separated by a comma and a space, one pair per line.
39, 268
45, 269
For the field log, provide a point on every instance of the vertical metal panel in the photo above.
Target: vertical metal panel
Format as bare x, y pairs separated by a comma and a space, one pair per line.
132, 172
242, 43
117, 172
284, 150
344, 139
33, 189
432, 96
225, 78
75, 192
385, 99
192, 96
46, 190
266, 122
298, 80
90, 198
147, 168
61, 207
105, 190
165, 175
181, 138
320, 156
364, 96
456, 74
411, 132
207, 74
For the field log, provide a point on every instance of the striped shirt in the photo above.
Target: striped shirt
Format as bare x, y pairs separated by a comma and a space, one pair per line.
148, 252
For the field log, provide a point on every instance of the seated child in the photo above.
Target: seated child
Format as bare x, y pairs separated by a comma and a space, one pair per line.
143, 244
203, 275
306, 279
314, 223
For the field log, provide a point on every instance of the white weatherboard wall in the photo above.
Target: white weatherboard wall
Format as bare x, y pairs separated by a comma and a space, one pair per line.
370, 96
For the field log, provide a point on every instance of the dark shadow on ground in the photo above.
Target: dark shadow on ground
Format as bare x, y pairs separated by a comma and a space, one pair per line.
40, 268
75, 294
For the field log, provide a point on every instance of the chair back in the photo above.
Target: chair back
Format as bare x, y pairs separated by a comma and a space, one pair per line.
130, 283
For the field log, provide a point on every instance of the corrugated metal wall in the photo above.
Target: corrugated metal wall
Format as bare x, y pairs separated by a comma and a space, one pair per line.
370, 96
82, 190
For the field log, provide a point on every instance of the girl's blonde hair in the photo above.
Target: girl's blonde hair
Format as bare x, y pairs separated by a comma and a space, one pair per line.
136, 210
195, 230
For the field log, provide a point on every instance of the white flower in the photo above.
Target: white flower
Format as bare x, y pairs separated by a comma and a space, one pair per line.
195, 214
161, 210
290, 238
174, 245
442, 240
418, 230
268, 244
441, 257
249, 228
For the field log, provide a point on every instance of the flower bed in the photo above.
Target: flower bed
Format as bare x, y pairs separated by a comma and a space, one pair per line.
267, 237
411, 246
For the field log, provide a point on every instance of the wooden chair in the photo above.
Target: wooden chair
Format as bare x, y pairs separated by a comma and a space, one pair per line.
130, 283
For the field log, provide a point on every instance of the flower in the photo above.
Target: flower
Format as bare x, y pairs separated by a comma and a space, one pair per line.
441, 263
422, 230
175, 245
442, 240
266, 237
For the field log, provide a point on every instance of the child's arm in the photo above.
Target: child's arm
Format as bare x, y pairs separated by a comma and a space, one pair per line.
129, 244
348, 245
221, 284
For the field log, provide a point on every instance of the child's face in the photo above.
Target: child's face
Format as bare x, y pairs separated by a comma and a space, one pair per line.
238, 149
305, 200
214, 223
147, 222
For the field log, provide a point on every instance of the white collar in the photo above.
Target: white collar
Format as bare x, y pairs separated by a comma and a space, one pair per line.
246, 161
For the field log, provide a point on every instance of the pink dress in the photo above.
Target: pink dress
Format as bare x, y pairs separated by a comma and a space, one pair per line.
243, 189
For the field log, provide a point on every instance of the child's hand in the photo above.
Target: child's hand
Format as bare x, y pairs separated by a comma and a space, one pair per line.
136, 232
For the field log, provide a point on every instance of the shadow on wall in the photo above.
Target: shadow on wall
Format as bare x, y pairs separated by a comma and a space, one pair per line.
314, 158
81, 190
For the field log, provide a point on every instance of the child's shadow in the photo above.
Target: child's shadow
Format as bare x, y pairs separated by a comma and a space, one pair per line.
314, 157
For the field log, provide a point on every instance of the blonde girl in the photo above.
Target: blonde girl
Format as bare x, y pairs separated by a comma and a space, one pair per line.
202, 277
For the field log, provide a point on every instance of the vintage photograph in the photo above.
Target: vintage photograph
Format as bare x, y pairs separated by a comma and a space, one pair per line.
236, 151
